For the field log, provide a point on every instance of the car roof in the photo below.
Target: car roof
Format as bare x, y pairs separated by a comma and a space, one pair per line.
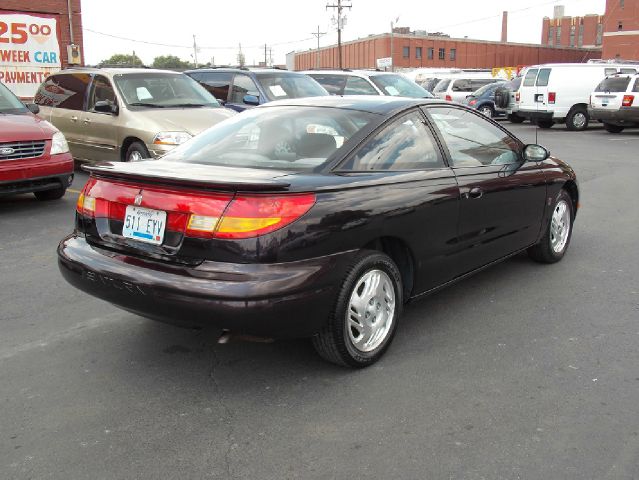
380, 104
108, 71
257, 71
352, 73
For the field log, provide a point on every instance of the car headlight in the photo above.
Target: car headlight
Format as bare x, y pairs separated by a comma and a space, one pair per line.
171, 138
59, 144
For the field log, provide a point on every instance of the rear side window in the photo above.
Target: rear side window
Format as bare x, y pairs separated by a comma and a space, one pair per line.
334, 84
529, 79
404, 144
217, 83
636, 87
613, 84
628, 71
442, 86
477, 84
358, 86
542, 78
462, 85
64, 91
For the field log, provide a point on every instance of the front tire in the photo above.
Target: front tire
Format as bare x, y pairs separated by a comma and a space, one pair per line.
46, 195
554, 244
613, 128
487, 110
364, 319
137, 151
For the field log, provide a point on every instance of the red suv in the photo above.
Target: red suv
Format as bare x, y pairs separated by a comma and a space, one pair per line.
34, 155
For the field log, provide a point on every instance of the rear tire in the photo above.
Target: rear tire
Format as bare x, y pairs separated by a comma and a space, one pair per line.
487, 110
137, 151
544, 123
613, 128
364, 319
514, 118
553, 245
577, 119
46, 195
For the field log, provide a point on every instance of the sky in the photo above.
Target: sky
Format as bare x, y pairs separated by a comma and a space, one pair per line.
286, 25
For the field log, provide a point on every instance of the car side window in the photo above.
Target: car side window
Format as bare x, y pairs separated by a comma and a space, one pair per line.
635, 88
358, 86
404, 144
243, 85
473, 141
101, 90
218, 84
64, 91
529, 79
463, 85
334, 84
543, 77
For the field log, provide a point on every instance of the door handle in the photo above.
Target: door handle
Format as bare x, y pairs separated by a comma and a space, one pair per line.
475, 192
74, 119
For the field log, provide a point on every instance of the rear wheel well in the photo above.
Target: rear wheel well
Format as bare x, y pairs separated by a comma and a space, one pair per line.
399, 252
126, 144
571, 187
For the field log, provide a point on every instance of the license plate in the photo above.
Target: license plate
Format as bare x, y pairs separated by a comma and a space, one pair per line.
144, 224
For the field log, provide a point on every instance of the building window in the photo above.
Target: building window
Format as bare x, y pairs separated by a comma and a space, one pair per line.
442, 54
431, 53
622, 3
453, 53
551, 35
572, 35
558, 35
580, 39
418, 52
406, 52
599, 33
620, 25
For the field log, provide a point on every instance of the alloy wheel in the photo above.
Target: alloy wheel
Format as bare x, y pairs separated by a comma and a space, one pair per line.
560, 226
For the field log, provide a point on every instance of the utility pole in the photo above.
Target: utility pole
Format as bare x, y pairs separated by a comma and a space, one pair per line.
393, 23
340, 5
194, 51
265, 56
318, 34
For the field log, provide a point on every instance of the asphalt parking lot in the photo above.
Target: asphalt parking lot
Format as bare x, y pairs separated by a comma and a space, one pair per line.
522, 371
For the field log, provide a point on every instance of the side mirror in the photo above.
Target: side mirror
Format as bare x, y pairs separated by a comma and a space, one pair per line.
105, 106
535, 153
251, 100
33, 108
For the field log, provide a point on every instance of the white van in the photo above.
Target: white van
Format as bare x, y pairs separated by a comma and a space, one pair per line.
559, 92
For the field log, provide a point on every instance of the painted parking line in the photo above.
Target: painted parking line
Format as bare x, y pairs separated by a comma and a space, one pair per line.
74, 191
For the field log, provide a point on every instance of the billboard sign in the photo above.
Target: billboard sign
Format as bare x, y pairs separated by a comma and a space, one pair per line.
29, 51
385, 62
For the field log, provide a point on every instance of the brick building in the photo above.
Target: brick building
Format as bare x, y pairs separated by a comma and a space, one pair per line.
586, 31
423, 50
35, 41
621, 30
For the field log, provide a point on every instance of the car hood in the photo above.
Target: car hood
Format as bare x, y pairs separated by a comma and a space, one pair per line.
191, 120
24, 126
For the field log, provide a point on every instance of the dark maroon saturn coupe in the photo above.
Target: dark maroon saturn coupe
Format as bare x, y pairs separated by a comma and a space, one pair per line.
317, 217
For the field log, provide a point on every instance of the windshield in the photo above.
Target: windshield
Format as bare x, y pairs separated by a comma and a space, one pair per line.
282, 138
613, 84
163, 90
9, 103
442, 86
398, 86
281, 86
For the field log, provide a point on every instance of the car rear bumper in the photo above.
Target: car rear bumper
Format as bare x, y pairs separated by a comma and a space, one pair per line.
291, 299
32, 175
622, 116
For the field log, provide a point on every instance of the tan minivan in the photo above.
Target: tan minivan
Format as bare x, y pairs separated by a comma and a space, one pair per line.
126, 114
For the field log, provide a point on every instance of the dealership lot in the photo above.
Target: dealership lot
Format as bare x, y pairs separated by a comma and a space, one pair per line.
523, 371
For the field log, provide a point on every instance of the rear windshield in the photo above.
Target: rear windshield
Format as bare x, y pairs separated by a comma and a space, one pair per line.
613, 84
542, 78
281, 138
163, 90
399, 86
529, 79
9, 103
280, 87
442, 86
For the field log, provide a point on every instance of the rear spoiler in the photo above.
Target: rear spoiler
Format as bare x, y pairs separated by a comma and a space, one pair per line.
192, 175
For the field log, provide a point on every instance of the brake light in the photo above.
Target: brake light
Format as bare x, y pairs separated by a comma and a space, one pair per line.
252, 215
473, 102
627, 100
449, 98
517, 97
86, 205
552, 96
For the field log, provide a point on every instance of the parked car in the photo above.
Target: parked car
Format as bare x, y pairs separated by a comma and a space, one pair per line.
560, 92
615, 102
428, 83
456, 88
483, 99
34, 155
368, 82
317, 217
241, 88
126, 114
507, 99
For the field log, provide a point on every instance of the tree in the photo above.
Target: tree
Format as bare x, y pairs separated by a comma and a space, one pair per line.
123, 59
170, 61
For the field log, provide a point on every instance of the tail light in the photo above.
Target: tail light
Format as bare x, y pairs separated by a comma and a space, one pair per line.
473, 102
628, 100
552, 96
449, 98
517, 97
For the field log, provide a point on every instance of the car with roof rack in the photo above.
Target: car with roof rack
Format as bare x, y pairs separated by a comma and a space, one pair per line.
242, 88
126, 114
615, 102
368, 82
